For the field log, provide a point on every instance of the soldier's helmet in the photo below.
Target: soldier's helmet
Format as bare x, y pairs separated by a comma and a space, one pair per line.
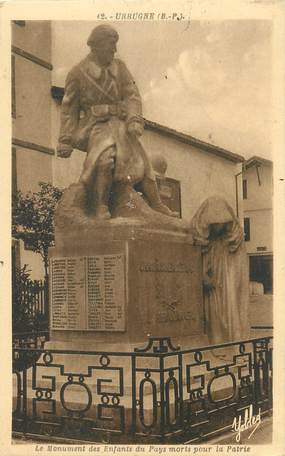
100, 33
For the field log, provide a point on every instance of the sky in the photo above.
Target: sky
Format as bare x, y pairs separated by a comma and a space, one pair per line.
209, 79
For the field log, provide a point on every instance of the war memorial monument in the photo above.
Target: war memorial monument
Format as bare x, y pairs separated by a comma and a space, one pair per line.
124, 267
140, 299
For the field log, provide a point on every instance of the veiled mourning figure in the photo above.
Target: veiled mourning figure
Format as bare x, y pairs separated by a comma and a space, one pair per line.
225, 271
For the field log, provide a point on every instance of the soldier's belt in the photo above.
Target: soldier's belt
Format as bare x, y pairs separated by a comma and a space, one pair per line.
104, 111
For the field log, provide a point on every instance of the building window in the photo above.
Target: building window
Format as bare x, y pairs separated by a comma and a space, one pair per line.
13, 83
170, 193
261, 270
246, 225
244, 189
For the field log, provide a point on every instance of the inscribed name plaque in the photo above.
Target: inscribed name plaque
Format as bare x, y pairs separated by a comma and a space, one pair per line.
88, 293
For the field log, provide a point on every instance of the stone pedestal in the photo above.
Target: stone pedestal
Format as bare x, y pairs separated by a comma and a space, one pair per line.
112, 288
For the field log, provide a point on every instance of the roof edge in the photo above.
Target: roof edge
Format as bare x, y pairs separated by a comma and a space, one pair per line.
256, 160
187, 139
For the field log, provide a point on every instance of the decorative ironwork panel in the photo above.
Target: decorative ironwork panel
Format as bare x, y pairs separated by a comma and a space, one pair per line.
159, 393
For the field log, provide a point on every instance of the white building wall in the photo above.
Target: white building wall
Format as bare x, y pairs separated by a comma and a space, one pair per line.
32, 123
34, 37
258, 196
260, 231
258, 208
33, 102
32, 167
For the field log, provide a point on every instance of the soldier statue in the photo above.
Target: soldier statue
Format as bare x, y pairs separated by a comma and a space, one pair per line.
102, 115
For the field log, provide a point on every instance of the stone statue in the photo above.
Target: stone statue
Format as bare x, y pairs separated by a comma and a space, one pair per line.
226, 280
102, 115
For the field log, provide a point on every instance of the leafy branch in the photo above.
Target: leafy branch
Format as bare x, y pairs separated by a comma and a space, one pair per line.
33, 218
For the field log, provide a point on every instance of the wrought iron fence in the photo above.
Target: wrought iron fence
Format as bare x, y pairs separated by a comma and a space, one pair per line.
30, 305
158, 394
34, 295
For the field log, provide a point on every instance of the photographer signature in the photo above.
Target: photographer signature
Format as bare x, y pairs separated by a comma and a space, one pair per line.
249, 420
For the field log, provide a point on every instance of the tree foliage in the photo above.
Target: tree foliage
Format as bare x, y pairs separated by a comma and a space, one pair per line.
33, 218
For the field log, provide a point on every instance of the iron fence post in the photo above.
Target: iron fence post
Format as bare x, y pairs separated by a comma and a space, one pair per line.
46, 298
180, 370
24, 396
134, 395
256, 393
162, 399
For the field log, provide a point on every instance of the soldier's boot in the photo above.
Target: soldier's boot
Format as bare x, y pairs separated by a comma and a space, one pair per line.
150, 191
103, 183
